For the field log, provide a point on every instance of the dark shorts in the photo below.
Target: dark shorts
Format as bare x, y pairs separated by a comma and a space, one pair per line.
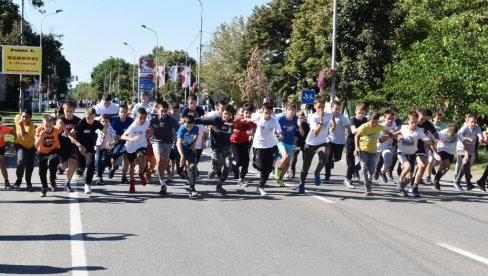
446, 156
410, 158
66, 153
2, 150
132, 156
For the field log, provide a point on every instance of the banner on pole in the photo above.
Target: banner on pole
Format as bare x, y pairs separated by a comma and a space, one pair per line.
185, 73
21, 60
146, 75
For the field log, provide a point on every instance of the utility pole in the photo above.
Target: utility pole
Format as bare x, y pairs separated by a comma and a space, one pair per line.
21, 91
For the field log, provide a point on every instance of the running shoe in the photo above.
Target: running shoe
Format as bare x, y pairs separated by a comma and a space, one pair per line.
132, 187
220, 189
368, 192
301, 188
7, 185
43, 192
428, 179
87, 189
261, 191
143, 179
348, 183
54, 187
100, 181
437, 185
415, 191
317, 179
384, 177
457, 186
67, 187
469, 186
280, 182
193, 194
376, 175
390, 176
480, 183
124, 180
163, 190
111, 174
277, 173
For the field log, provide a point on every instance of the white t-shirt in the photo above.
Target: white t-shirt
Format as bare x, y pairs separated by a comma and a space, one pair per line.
264, 137
100, 108
386, 144
108, 139
148, 107
447, 143
201, 130
135, 129
410, 139
313, 121
339, 134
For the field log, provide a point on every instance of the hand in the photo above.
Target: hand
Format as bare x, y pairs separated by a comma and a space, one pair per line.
300, 121
135, 138
82, 150
182, 162
42, 135
21, 122
356, 152
204, 146
465, 160
437, 157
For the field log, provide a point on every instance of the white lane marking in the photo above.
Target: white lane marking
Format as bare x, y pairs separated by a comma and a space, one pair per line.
78, 256
464, 253
321, 198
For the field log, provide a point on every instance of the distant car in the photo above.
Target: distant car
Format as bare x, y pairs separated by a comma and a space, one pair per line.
277, 110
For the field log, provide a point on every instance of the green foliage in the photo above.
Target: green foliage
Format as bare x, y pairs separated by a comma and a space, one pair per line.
84, 90
112, 71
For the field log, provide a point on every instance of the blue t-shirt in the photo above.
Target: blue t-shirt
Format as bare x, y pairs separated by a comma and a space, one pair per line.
187, 136
119, 126
289, 128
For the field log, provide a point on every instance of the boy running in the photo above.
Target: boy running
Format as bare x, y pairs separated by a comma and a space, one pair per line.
337, 138
186, 137
47, 144
446, 147
120, 125
105, 144
240, 143
68, 158
385, 154
352, 167
135, 146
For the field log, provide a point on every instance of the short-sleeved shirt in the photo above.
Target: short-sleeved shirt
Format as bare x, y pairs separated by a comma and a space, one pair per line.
314, 121
29, 139
50, 141
466, 132
369, 137
199, 110
69, 125
163, 129
411, 138
86, 134
148, 107
112, 109
446, 143
289, 128
356, 123
4, 130
241, 131
104, 141
201, 130
135, 129
186, 136
386, 144
440, 127
265, 137
339, 134
119, 126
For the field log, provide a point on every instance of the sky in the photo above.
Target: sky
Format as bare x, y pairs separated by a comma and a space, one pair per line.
94, 30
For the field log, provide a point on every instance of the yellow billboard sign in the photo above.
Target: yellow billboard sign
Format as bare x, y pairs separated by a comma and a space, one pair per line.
21, 60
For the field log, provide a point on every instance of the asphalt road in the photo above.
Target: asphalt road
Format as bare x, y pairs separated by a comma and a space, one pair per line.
331, 230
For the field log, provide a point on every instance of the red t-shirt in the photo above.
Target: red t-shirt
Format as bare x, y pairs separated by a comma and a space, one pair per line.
241, 131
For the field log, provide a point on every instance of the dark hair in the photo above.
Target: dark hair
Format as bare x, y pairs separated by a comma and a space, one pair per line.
69, 104
144, 93
163, 104
438, 114
335, 102
48, 118
175, 106
247, 107
374, 116
27, 111
268, 106
320, 100
107, 97
142, 111
106, 117
222, 102
90, 111
393, 109
413, 114
188, 119
471, 116
451, 127
424, 112
229, 108
124, 106
290, 104
387, 112
192, 97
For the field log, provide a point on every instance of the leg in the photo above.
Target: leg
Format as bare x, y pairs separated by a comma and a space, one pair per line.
53, 167
421, 166
3, 168
322, 153
308, 154
90, 167
226, 159
21, 160
350, 160
43, 166
29, 165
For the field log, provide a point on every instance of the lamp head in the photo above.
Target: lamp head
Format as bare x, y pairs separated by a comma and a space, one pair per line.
144, 26
58, 11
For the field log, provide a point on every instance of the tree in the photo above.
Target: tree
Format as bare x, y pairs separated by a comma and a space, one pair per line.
84, 90
254, 88
111, 71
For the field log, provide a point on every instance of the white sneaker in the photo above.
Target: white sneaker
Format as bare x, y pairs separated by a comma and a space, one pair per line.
241, 184
348, 183
261, 191
87, 189
80, 178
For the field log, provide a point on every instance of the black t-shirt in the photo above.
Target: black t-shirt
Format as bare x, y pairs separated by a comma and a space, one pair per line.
199, 110
70, 125
357, 123
222, 138
163, 129
427, 126
299, 139
86, 134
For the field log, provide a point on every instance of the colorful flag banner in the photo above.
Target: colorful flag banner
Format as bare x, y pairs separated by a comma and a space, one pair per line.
185, 73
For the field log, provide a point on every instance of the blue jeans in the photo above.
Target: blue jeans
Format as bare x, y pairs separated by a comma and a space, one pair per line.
368, 165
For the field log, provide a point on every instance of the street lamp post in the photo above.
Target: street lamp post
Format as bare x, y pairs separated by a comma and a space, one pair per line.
334, 20
157, 48
133, 69
200, 48
40, 45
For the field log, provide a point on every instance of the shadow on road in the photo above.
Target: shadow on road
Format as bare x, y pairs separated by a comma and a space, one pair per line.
44, 269
67, 237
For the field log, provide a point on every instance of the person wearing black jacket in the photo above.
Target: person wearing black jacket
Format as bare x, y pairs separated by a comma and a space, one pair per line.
221, 129
299, 143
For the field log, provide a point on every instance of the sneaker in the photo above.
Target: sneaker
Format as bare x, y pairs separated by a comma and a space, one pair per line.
261, 191
143, 179
54, 187
111, 174
220, 189
7, 185
87, 189
415, 191
368, 192
67, 187
428, 179
287, 175
390, 176
43, 192
132, 187
124, 180
277, 173
480, 183
28, 184
384, 178
80, 178
317, 179
241, 184
60, 172
469, 186
193, 193
348, 183
326, 178
402, 192
301, 188
100, 182
356, 175
457, 186
292, 174
163, 190
437, 185
376, 175
211, 175
17, 184
280, 182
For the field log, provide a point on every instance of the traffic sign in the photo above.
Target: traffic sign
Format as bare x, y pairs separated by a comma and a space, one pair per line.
308, 96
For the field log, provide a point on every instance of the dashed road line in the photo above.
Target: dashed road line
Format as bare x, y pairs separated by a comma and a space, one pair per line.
464, 253
78, 255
